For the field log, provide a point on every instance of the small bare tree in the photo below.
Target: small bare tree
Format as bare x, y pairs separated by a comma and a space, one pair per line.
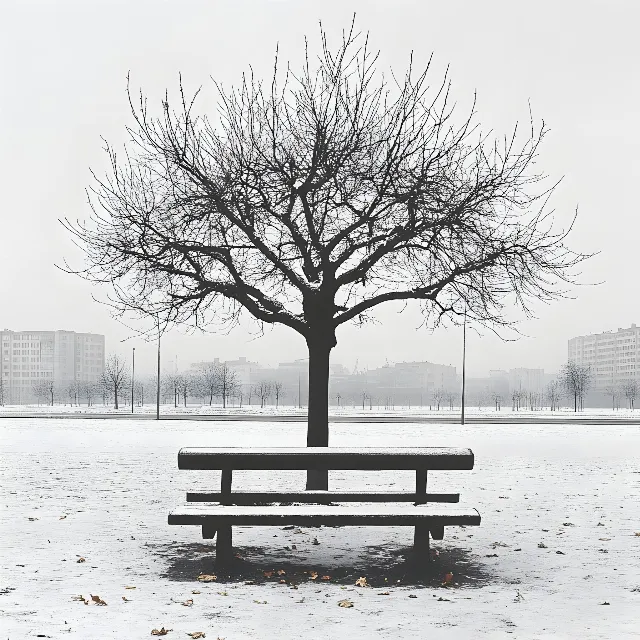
576, 379
227, 382
263, 391
186, 385
630, 389
614, 391
278, 392
45, 388
115, 376
438, 397
496, 398
208, 380
554, 394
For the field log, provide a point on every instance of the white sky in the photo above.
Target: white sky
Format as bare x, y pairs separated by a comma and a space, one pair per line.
64, 67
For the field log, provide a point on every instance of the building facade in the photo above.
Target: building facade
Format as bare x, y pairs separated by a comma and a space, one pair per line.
27, 357
614, 357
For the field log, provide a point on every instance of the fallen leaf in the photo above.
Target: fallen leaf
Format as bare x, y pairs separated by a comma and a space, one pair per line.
80, 559
80, 599
288, 527
197, 634
362, 582
188, 603
413, 595
196, 592
222, 593
325, 578
441, 599
160, 632
346, 604
313, 575
260, 601
491, 555
129, 587
267, 574
99, 600
281, 572
32, 519
605, 602
62, 517
448, 579
560, 553
637, 533
207, 577
125, 599
604, 539
293, 547
568, 524
315, 541
384, 593
542, 545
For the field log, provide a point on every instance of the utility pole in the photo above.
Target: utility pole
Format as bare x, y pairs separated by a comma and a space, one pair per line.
464, 358
133, 374
158, 381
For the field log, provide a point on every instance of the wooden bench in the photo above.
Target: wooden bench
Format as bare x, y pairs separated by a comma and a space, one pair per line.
217, 512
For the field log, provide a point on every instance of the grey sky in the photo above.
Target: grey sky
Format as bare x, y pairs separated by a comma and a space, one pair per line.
64, 67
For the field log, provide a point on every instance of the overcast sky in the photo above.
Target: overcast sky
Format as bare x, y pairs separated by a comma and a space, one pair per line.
64, 67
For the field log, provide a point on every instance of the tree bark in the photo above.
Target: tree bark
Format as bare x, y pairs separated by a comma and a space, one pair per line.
318, 412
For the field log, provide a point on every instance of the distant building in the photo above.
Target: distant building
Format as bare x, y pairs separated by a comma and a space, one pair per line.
247, 372
614, 357
61, 356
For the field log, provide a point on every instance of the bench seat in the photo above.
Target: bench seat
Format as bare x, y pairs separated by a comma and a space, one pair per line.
309, 515
323, 497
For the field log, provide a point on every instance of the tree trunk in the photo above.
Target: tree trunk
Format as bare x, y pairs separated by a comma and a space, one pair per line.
318, 411
115, 393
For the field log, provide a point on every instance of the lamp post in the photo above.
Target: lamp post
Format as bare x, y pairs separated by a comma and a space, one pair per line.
464, 358
158, 381
133, 374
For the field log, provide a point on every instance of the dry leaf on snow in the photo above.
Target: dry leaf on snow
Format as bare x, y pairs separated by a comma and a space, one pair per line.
160, 632
448, 579
62, 517
125, 599
129, 587
197, 634
267, 574
188, 603
325, 578
207, 577
313, 575
80, 599
281, 572
196, 591
384, 593
362, 582
260, 601
345, 604
80, 559
98, 600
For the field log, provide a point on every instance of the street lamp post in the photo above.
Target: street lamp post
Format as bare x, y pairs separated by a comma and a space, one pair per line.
158, 381
464, 358
133, 374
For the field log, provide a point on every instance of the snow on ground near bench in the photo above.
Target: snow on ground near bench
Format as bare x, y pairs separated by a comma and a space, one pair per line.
102, 490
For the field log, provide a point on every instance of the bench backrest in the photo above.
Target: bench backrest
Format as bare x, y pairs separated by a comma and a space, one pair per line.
335, 458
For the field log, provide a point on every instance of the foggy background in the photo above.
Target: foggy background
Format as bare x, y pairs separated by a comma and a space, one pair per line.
64, 68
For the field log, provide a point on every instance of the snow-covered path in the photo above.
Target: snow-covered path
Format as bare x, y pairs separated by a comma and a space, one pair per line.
101, 490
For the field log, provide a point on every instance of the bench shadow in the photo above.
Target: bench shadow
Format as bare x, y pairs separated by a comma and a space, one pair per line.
384, 566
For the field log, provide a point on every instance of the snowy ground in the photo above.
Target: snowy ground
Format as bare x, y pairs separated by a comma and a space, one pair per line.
101, 490
345, 411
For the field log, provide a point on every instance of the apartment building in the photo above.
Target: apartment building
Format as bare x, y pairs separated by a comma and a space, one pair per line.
61, 356
614, 357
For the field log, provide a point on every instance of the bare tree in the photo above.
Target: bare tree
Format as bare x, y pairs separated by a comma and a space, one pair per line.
438, 396
496, 398
263, 391
74, 390
2, 389
208, 380
141, 391
45, 388
554, 394
186, 385
278, 392
630, 389
614, 391
115, 376
576, 379
318, 196
227, 382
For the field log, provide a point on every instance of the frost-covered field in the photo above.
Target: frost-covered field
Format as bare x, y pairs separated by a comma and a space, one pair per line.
101, 490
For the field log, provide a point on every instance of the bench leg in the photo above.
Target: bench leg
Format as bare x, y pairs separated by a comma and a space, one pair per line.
208, 532
224, 547
437, 532
421, 541
317, 479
